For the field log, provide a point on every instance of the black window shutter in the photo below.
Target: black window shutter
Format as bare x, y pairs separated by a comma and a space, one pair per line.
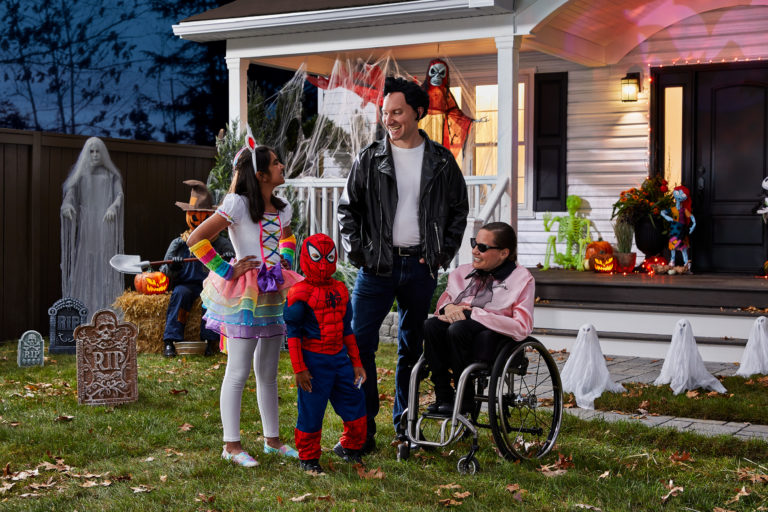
550, 112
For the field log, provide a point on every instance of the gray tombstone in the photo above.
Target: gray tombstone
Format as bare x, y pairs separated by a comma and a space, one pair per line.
31, 349
65, 315
107, 372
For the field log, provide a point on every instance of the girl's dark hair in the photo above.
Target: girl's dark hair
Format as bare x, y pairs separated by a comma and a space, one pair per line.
246, 184
415, 96
504, 236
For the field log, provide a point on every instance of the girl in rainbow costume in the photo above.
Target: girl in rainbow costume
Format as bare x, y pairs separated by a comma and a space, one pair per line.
245, 297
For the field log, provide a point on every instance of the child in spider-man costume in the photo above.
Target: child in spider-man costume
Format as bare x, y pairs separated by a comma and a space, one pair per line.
324, 355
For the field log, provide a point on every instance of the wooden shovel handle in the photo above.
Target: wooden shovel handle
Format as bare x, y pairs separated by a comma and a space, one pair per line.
166, 262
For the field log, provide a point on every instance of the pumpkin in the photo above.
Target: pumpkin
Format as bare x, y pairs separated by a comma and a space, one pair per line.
599, 247
602, 263
151, 283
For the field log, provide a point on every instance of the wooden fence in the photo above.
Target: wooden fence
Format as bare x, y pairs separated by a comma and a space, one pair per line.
33, 167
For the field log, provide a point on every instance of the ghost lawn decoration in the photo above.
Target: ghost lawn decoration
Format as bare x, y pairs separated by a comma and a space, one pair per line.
445, 122
92, 228
683, 367
585, 374
755, 357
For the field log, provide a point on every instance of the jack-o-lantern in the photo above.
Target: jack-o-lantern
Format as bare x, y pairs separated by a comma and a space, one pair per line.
599, 247
602, 263
151, 283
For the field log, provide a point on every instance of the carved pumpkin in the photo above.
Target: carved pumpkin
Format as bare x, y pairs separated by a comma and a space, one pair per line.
151, 283
602, 263
599, 247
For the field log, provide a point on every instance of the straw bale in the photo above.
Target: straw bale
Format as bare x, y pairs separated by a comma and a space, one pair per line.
147, 312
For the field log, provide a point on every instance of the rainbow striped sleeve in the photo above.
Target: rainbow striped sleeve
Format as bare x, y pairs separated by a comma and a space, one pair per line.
204, 251
287, 248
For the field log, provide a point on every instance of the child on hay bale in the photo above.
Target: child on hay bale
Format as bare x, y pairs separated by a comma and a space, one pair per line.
186, 278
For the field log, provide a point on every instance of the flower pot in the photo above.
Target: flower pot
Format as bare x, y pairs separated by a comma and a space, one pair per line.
625, 262
649, 238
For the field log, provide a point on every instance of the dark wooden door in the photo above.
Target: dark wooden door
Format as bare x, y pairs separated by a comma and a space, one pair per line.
730, 162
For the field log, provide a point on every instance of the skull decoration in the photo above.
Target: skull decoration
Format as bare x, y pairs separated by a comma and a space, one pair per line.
438, 73
104, 325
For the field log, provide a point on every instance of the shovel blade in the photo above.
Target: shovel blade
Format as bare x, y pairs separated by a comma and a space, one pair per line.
128, 263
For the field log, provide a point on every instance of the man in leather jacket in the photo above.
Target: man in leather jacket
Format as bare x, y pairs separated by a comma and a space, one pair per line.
402, 217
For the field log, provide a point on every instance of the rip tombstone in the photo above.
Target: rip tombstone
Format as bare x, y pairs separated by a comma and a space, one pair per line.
31, 349
65, 315
106, 361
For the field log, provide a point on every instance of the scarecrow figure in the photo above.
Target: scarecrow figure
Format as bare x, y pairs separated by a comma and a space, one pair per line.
186, 277
445, 122
680, 217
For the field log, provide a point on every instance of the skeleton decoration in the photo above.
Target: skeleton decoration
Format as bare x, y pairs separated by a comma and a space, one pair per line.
445, 122
92, 228
683, 368
585, 374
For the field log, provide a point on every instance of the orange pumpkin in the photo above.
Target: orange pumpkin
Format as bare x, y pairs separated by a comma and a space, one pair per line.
151, 283
599, 247
602, 263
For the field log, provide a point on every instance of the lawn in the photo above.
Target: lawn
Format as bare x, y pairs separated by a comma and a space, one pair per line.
162, 453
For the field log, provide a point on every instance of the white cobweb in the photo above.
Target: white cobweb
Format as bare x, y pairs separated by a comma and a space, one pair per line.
683, 367
585, 373
755, 357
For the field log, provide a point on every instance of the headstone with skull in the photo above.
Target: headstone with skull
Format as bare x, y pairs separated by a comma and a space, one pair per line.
31, 349
107, 372
65, 315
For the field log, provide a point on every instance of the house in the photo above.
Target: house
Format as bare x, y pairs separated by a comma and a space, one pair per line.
699, 113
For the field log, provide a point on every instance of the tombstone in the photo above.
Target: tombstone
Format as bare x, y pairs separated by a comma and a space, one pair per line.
65, 315
106, 361
31, 349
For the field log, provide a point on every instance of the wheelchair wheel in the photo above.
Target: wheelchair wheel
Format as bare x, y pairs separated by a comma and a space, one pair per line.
468, 466
525, 400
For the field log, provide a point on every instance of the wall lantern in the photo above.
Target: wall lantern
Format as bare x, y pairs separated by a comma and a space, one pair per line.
630, 87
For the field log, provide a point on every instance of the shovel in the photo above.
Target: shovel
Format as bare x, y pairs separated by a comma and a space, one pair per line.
132, 264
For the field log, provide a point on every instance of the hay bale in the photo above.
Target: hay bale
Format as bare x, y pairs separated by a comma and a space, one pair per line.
147, 312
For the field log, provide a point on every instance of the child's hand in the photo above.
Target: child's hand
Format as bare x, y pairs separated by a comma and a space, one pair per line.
284, 263
359, 375
304, 380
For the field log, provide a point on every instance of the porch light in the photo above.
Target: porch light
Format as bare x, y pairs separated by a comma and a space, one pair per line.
630, 87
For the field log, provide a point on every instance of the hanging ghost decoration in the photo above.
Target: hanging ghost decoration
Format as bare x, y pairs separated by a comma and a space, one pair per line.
445, 122
755, 357
586, 374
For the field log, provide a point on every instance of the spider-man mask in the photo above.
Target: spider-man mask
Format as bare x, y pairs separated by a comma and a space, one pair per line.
318, 258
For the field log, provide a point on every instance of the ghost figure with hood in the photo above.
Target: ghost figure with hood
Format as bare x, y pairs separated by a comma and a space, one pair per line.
754, 360
445, 122
92, 228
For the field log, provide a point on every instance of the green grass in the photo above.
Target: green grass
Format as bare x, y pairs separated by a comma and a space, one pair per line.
746, 400
140, 444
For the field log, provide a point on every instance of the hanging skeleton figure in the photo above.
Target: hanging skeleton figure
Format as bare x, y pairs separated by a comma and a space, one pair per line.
680, 217
445, 122
574, 231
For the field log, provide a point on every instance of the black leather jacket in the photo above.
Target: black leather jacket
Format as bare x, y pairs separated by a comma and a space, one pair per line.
367, 207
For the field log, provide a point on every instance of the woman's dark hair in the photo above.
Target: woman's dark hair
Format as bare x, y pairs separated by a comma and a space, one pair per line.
246, 184
503, 236
415, 96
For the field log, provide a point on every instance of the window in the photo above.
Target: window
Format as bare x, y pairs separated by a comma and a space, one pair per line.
673, 135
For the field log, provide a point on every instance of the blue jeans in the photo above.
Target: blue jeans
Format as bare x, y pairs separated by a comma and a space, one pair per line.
412, 285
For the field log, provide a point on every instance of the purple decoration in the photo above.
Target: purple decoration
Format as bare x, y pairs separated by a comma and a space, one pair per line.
269, 278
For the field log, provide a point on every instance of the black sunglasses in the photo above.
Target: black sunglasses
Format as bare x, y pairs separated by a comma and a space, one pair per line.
481, 247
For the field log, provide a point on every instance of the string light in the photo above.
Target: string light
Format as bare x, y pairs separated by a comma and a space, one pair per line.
682, 61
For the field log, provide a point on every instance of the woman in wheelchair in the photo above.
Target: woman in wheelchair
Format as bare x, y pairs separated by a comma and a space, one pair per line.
484, 304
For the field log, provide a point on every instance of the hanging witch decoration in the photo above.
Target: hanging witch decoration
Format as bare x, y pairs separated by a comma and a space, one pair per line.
445, 122
681, 224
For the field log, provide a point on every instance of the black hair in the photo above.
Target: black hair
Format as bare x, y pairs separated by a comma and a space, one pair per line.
415, 96
246, 184
504, 236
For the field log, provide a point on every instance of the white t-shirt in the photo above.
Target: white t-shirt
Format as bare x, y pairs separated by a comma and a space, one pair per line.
405, 229
246, 235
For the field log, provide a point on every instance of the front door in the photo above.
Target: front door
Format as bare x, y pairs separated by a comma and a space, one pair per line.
730, 160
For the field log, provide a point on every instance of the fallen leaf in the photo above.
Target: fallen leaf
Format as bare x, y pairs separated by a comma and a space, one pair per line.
752, 476
148, 459
692, 394
141, 488
23, 475
588, 507
5, 487
89, 483
64, 418
170, 452
298, 499
451, 485
681, 457
742, 492
606, 474
163, 478
179, 391
461, 495
718, 509
186, 427
448, 502
645, 404
674, 490
210, 499
374, 473
30, 495
327, 498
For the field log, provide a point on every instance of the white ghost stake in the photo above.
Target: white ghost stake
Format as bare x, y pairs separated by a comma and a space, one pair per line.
683, 367
755, 357
585, 374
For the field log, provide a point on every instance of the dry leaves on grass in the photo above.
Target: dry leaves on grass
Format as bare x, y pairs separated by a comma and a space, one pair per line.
604, 474
752, 475
303, 497
718, 509
5, 487
560, 467
449, 502
452, 485
141, 488
742, 493
516, 491
588, 507
186, 427
64, 418
680, 457
692, 394
674, 490
179, 391
205, 499
367, 475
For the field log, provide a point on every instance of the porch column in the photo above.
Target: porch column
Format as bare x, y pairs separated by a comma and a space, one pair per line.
506, 162
238, 90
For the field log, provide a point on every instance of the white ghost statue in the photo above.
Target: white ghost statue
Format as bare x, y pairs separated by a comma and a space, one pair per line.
683, 367
585, 374
755, 357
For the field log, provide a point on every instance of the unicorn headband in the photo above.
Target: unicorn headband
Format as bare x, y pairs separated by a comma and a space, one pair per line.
250, 144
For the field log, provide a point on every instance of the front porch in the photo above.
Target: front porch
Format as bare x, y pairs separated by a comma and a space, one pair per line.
636, 314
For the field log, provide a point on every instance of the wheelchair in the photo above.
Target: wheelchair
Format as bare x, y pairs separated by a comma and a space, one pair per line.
519, 393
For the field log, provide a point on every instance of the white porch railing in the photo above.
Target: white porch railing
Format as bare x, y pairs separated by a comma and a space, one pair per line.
318, 199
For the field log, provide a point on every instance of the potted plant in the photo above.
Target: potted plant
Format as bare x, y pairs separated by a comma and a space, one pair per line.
625, 258
641, 207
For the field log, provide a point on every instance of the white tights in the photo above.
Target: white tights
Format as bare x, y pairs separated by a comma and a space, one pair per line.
264, 353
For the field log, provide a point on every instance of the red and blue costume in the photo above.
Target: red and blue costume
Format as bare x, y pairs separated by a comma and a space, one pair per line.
320, 339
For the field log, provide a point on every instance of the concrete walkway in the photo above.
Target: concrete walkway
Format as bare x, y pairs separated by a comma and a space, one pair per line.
638, 369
